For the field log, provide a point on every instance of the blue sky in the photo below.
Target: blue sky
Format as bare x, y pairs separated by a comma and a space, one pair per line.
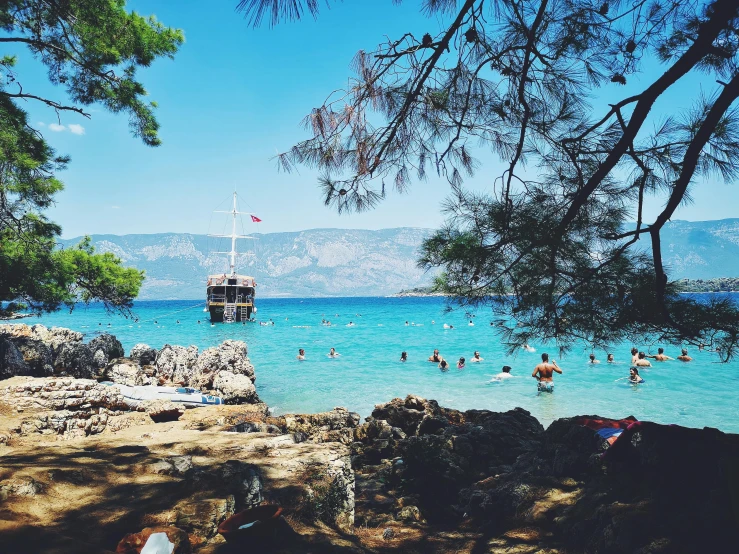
232, 97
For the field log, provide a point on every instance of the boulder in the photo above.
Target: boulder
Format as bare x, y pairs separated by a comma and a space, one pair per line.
202, 514
74, 359
162, 410
409, 413
229, 356
235, 389
176, 364
125, 371
61, 393
104, 348
36, 354
11, 359
143, 354
169, 540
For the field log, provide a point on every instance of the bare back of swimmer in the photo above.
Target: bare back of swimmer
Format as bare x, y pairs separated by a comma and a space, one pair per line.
545, 370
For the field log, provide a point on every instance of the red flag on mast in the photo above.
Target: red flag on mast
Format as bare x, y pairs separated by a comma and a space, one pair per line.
255, 219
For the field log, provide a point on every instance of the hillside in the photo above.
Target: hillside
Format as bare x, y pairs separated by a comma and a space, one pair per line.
317, 262
345, 262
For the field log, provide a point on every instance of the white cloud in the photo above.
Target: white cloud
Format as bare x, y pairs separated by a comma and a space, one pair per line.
76, 129
41, 124
116, 207
56, 128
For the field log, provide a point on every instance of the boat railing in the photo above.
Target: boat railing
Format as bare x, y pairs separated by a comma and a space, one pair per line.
217, 298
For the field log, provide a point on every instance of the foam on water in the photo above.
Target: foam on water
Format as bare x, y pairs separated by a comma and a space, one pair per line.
696, 394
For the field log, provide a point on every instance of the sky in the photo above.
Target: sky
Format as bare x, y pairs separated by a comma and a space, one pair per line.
230, 100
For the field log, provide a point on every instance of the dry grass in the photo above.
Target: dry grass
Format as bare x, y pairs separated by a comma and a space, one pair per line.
371, 537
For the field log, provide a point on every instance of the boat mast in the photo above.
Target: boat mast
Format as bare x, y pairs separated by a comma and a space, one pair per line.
233, 238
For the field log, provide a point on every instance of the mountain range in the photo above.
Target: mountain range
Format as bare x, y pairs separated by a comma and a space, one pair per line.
348, 262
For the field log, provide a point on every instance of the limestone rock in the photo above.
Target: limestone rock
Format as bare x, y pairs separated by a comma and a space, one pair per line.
36, 354
235, 389
230, 356
104, 348
173, 465
11, 360
134, 543
244, 482
61, 393
410, 514
162, 410
20, 486
143, 354
201, 516
74, 359
176, 364
125, 371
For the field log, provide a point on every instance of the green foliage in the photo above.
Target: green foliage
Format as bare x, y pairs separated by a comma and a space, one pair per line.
551, 247
93, 48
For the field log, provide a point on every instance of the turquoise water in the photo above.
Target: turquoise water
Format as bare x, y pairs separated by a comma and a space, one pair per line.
697, 394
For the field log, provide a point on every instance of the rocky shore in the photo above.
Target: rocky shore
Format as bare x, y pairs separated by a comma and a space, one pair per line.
80, 471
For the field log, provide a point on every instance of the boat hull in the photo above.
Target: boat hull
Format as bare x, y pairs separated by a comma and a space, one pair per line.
216, 313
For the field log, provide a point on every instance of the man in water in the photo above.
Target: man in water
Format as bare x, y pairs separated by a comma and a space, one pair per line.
610, 359
641, 360
593, 360
476, 357
504, 374
544, 374
404, 356
301, 354
333, 353
634, 355
660, 357
443, 366
684, 356
435, 357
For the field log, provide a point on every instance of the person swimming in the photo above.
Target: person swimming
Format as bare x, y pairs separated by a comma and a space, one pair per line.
634, 376
301, 354
683, 357
641, 360
460, 363
610, 359
443, 365
504, 374
593, 360
333, 353
403, 356
435, 357
476, 357
660, 356
350, 324
634, 355
471, 324
528, 348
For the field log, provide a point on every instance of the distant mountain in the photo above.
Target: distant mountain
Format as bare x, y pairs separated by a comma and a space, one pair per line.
318, 262
346, 262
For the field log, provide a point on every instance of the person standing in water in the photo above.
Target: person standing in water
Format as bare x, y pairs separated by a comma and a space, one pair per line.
333, 353
443, 365
504, 374
544, 374
684, 356
660, 357
435, 357
634, 376
641, 360
301, 354
593, 360
610, 359
476, 357
403, 356
460, 363
634, 355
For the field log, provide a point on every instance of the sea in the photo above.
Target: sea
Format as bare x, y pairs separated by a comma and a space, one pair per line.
370, 334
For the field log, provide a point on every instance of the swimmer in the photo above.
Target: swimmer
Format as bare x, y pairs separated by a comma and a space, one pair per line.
593, 360
634, 376
198, 322
403, 356
301, 354
476, 357
610, 359
99, 323
178, 322
350, 324
435, 357
641, 360
443, 366
684, 356
433, 322
504, 374
156, 322
212, 324
470, 324
333, 353
660, 357
528, 348
406, 324
544, 374
460, 363
634, 355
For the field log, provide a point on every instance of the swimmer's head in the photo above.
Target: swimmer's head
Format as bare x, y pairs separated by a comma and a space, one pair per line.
642, 355
301, 351
634, 371
610, 357
634, 351
461, 360
660, 351
477, 354
685, 351
443, 364
403, 355
545, 357
506, 369
592, 357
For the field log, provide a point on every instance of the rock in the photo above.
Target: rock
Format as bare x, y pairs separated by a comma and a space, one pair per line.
143, 354
409, 514
229, 356
407, 414
177, 541
125, 371
162, 410
21, 486
244, 482
11, 360
235, 389
53, 338
74, 359
104, 348
338, 425
36, 354
61, 393
202, 515
388, 534
176, 364
172, 465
